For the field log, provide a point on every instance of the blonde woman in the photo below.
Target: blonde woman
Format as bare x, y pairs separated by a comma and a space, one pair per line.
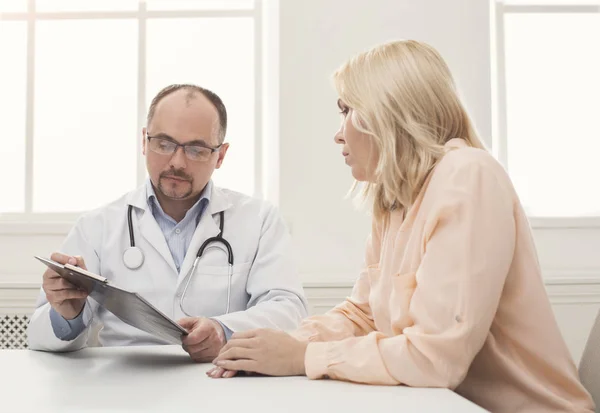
452, 294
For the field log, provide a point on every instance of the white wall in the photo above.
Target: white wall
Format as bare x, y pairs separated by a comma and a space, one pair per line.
316, 36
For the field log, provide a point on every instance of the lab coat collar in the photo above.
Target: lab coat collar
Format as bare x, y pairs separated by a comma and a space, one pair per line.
149, 229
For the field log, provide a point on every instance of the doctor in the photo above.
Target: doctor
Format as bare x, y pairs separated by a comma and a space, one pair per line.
149, 241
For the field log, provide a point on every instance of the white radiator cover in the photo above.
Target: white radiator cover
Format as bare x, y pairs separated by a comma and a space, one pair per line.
13, 331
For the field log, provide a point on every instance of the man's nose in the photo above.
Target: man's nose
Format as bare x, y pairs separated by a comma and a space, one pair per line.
178, 159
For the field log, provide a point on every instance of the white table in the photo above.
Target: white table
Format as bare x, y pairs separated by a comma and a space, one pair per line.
164, 379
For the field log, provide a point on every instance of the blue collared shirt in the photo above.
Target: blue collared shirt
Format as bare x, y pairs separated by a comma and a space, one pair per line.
178, 236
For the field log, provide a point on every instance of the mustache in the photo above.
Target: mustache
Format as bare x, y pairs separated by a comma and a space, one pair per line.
176, 174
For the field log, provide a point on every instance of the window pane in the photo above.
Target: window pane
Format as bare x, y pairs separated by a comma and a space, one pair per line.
85, 113
553, 102
200, 4
216, 54
13, 78
14, 6
86, 5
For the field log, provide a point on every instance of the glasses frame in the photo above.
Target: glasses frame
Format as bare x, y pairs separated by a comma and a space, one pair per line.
183, 147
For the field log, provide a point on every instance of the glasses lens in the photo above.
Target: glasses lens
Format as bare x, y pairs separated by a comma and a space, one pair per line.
197, 152
162, 146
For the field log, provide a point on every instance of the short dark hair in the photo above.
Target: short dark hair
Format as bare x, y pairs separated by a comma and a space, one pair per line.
193, 89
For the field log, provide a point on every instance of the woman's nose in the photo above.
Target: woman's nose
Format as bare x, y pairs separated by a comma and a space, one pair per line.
339, 137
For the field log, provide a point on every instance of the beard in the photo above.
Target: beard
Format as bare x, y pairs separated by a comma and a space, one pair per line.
175, 189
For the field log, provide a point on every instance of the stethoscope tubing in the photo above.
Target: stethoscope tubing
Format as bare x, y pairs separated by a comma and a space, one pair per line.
133, 250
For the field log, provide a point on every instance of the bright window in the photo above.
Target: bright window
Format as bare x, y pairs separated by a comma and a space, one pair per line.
550, 89
80, 77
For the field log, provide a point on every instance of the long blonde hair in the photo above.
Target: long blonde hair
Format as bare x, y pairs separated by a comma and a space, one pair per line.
402, 94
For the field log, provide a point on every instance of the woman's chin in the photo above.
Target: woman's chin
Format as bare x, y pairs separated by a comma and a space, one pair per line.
362, 176
359, 174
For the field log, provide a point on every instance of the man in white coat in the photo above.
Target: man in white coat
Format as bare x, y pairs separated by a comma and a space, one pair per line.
166, 221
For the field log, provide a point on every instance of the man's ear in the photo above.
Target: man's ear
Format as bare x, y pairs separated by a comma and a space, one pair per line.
222, 153
144, 131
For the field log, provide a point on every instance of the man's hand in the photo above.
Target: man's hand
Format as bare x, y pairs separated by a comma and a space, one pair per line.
205, 339
263, 351
66, 299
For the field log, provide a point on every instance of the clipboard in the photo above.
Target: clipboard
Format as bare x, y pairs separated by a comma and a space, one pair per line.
129, 307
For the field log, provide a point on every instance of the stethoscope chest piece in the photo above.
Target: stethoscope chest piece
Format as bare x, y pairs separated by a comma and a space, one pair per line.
133, 257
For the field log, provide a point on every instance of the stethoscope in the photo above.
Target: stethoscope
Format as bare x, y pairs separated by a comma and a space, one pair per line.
133, 257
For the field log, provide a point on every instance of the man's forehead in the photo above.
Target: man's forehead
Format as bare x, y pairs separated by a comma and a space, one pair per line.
187, 100
186, 115
181, 109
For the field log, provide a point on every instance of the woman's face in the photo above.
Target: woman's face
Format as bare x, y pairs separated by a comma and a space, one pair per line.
358, 149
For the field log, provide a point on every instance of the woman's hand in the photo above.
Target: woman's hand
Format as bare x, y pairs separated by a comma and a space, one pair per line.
221, 373
263, 351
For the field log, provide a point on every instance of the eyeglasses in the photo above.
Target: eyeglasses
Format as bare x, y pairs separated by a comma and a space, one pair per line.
194, 152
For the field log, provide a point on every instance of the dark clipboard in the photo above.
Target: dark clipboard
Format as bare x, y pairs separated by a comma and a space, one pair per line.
129, 307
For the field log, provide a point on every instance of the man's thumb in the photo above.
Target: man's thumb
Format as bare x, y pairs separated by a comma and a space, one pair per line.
187, 322
80, 262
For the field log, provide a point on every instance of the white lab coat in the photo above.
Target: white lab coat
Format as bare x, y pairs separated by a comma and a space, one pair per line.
265, 291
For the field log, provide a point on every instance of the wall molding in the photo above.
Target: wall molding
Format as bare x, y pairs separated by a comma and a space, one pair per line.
18, 298
564, 287
29, 228
578, 287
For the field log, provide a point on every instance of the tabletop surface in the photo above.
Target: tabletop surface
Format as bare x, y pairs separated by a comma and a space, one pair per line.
164, 379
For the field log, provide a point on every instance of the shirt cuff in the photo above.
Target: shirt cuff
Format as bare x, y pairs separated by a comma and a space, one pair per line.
66, 330
226, 330
315, 360
305, 334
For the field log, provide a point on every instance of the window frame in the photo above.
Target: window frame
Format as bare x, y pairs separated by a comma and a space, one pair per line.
499, 9
32, 223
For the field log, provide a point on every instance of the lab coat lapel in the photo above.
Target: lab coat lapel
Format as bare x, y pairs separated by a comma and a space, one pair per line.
207, 227
145, 225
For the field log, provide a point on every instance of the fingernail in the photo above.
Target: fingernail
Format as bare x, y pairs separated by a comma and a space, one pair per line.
72, 261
